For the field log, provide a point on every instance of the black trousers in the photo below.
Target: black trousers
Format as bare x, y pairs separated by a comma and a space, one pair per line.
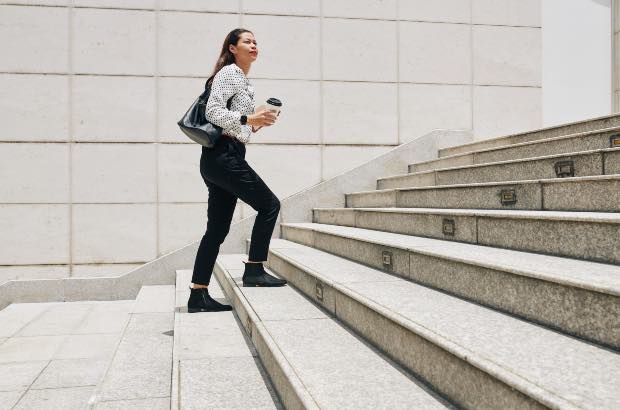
228, 177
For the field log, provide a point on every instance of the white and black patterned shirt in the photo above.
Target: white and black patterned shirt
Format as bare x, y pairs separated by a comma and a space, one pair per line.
231, 80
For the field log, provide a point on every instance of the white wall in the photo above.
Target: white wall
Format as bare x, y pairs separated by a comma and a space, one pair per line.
95, 175
577, 63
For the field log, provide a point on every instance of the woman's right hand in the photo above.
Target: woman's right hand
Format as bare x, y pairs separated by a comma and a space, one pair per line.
262, 118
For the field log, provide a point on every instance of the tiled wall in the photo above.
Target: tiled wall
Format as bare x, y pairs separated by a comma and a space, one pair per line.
95, 176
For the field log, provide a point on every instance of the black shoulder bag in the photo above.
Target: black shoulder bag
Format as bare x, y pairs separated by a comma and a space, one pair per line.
194, 123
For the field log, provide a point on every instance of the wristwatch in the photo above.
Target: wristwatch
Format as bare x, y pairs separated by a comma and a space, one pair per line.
243, 119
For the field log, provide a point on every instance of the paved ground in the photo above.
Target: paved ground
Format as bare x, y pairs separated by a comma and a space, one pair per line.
53, 355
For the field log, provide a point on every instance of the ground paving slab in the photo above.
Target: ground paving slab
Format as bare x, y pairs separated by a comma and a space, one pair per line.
53, 355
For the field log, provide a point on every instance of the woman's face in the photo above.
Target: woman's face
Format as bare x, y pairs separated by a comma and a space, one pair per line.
246, 49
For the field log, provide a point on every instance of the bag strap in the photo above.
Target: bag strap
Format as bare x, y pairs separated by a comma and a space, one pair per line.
205, 94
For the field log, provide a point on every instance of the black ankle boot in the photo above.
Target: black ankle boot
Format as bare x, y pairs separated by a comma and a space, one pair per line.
255, 275
201, 301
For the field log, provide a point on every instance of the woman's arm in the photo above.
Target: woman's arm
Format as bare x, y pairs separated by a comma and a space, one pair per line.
227, 82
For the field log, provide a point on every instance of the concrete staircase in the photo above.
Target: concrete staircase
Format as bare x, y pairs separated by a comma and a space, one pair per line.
487, 278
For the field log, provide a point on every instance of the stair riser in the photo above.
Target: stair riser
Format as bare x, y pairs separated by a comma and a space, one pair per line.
580, 312
599, 196
592, 125
562, 146
377, 199
291, 392
455, 378
426, 225
584, 165
529, 196
461, 161
553, 237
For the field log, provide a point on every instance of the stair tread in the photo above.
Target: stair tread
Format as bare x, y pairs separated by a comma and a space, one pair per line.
507, 138
496, 183
524, 354
211, 352
512, 161
520, 144
607, 217
337, 368
154, 298
594, 276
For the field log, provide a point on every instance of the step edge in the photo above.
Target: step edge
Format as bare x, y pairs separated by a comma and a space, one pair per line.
515, 271
511, 161
553, 127
585, 178
520, 144
569, 216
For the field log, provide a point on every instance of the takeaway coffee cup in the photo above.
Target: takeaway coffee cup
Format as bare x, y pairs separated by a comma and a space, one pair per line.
275, 105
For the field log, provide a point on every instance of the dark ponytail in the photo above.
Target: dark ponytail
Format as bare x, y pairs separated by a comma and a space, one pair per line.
226, 57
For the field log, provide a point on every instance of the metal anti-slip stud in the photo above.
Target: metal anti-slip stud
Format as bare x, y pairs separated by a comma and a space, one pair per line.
565, 169
614, 141
387, 260
508, 197
448, 227
319, 291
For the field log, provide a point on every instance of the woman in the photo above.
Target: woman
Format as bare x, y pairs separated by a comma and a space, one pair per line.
228, 176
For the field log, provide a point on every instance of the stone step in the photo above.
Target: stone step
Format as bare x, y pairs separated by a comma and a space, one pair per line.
313, 360
576, 297
600, 123
579, 164
587, 141
597, 194
214, 362
141, 369
584, 235
475, 356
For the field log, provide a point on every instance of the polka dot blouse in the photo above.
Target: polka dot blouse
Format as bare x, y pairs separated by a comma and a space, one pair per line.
231, 80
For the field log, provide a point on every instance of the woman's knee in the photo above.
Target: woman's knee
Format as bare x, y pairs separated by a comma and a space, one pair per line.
276, 204
216, 233
272, 208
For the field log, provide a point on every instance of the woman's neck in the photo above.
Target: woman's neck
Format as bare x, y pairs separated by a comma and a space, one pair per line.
244, 67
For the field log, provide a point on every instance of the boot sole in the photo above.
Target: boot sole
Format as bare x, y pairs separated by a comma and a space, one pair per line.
250, 285
206, 310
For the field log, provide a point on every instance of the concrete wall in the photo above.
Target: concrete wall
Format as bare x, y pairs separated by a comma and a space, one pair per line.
577, 62
95, 176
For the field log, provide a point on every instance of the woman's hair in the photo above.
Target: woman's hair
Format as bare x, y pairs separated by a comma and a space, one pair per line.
226, 57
